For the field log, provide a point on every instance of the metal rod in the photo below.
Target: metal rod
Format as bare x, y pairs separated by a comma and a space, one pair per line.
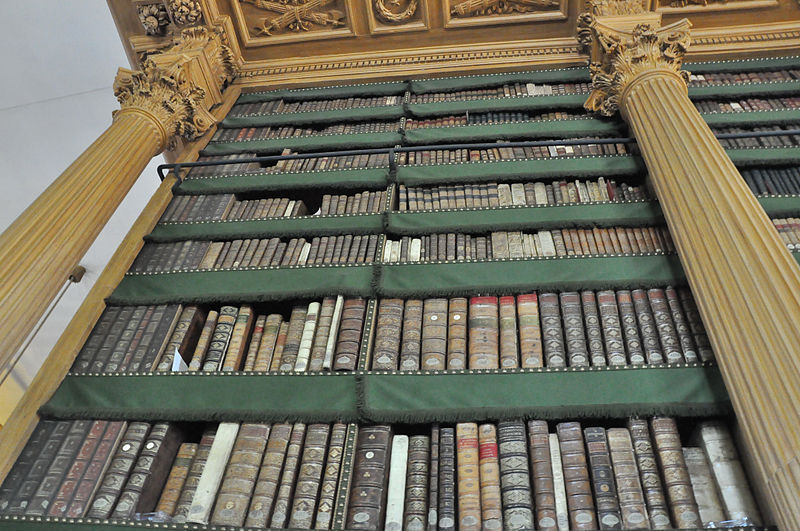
474, 145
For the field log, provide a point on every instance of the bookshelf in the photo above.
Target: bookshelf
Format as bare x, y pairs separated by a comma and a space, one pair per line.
688, 389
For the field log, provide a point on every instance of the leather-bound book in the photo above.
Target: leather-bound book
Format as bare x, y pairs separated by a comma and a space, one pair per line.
396, 489
682, 504
695, 324
629, 486
129, 339
59, 468
150, 349
333, 335
255, 342
703, 485
280, 342
483, 333
307, 339
105, 499
268, 340
682, 327
411, 340
603, 483
630, 328
447, 479
83, 360
201, 349
234, 355
309, 477
23, 467
348, 341
269, 476
176, 478
489, 467
670, 342
433, 481
433, 352
293, 337
612, 331
542, 475
468, 473
562, 512
594, 332
370, 474
509, 346
283, 498
240, 475
330, 479
580, 502
66, 489
657, 507
386, 350
415, 513
552, 334
737, 500
115, 332
221, 338
530, 334
183, 337
147, 478
647, 328
457, 333
515, 484
577, 349
317, 358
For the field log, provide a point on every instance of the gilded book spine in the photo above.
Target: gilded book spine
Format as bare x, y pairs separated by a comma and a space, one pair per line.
330, 481
268, 340
676, 477
293, 337
201, 349
368, 488
647, 327
418, 470
323, 333
630, 328
307, 339
221, 338
23, 467
483, 333
386, 351
193, 477
552, 334
86, 488
447, 479
309, 477
657, 507
396, 490
280, 512
594, 332
542, 475
234, 356
576, 477
457, 334
411, 342
612, 331
515, 484
670, 341
255, 342
509, 346
530, 334
577, 349
268, 476
468, 471
605, 491
177, 478
349, 340
434, 334
629, 486
491, 498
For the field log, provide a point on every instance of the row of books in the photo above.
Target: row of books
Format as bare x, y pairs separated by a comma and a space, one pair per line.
729, 78
189, 208
414, 198
375, 160
256, 252
789, 231
501, 476
532, 330
244, 134
281, 106
363, 203
516, 244
490, 118
446, 156
787, 140
568, 329
508, 90
749, 104
469, 476
773, 181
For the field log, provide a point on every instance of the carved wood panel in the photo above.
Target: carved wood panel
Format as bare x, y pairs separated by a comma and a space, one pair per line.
395, 16
487, 12
264, 22
694, 6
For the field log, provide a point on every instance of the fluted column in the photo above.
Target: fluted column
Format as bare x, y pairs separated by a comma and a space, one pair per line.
746, 282
168, 99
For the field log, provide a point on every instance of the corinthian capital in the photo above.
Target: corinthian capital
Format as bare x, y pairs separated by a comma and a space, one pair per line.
620, 55
178, 85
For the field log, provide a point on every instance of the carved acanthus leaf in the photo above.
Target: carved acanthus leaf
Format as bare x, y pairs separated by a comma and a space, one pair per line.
185, 12
615, 7
623, 58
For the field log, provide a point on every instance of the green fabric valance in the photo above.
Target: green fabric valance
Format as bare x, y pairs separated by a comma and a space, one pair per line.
388, 88
446, 84
306, 143
362, 178
522, 103
353, 114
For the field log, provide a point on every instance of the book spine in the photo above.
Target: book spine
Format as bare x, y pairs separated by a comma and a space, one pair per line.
676, 477
447, 479
386, 349
183, 337
23, 467
177, 478
234, 355
330, 347
309, 477
240, 475
468, 472
280, 512
559, 487
515, 484
293, 338
255, 343
434, 335
269, 475
268, 341
612, 331
580, 502
605, 491
704, 487
629, 487
542, 475
509, 346
552, 335
483, 333
330, 480
307, 338
630, 329
489, 468
530, 335
417, 472
396, 490
681, 326
577, 349
349, 339
324, 323
657, 507
368, 488
193, 477
411, 346
457, 333
662, 315
647, 327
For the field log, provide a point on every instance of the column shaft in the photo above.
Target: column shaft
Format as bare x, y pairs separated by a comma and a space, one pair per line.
746, 282
38, 250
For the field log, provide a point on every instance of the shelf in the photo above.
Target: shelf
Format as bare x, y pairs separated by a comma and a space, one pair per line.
287, 226
388, 88
360, 178
306, 143
353, 114
559, 101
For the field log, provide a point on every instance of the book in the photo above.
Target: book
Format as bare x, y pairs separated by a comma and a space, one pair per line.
396, 489
489, 467
468, 474
682, 504
309, 477
515, 483
415, 511
367, 505
580, 502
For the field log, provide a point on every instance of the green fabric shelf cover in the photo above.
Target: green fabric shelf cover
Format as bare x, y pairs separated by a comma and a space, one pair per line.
389, 88
498, 104
242, 397
362, 178
353, 114
562, 216
781, 116
530, 169
306, 143
507, 276
765, 156
253, 285
298, 226
745, 89
613, 393
446, 84
744, 65
510, 131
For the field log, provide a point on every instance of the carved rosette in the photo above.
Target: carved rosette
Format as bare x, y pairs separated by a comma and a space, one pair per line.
393, 11
154, 18
185, 12
624, 57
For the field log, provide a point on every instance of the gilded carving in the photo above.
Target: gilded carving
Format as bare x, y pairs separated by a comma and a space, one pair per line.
616, 7
711, 5
185, 12
165, 89
624, 57
473, 8
154, 18
394, 11
297, 15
